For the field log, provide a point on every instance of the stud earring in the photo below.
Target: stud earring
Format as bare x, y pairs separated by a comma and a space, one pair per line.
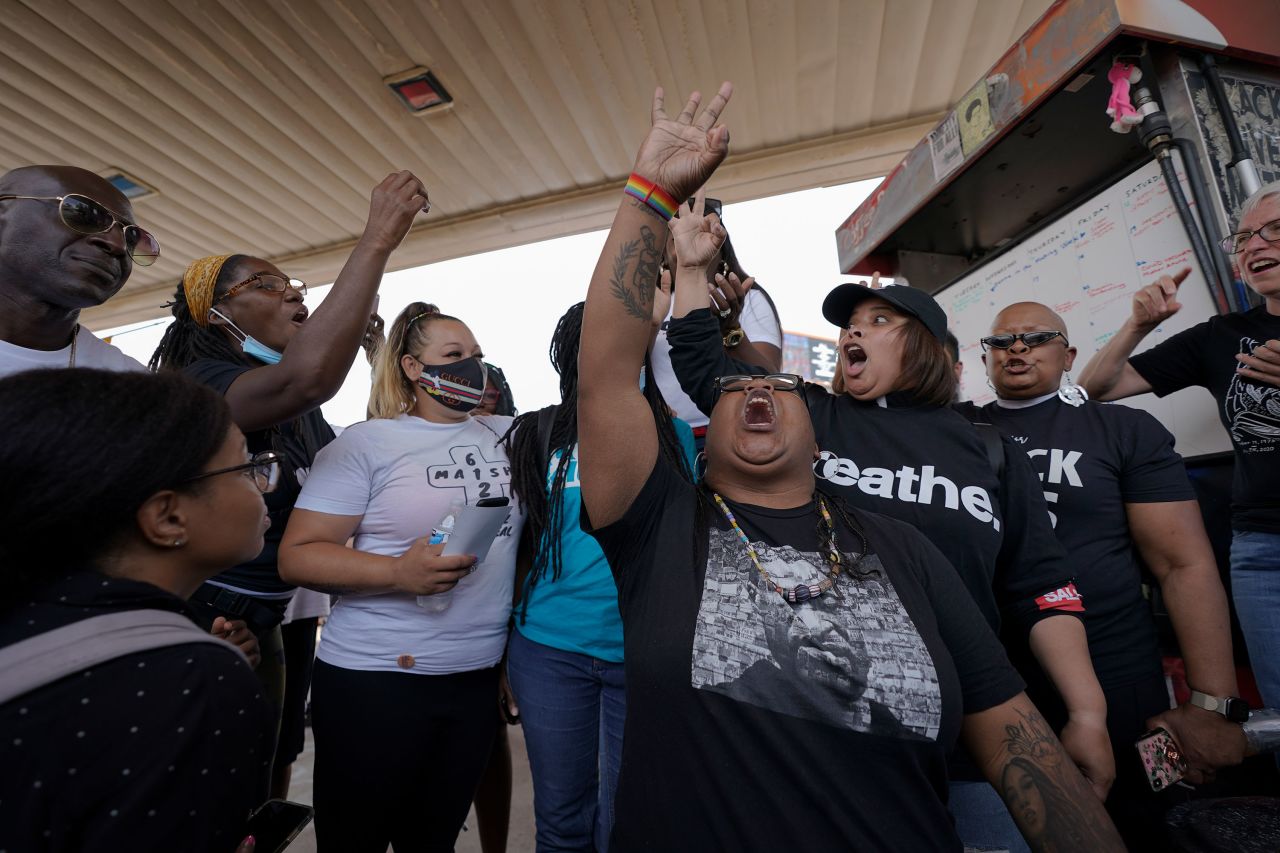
178, 543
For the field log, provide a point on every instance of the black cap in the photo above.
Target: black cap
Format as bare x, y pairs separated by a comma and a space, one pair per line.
840, 303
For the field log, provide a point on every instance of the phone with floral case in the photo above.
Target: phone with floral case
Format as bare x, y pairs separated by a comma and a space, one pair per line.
1161, 759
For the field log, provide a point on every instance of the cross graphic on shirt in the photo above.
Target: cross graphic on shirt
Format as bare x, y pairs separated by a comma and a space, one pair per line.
472, 471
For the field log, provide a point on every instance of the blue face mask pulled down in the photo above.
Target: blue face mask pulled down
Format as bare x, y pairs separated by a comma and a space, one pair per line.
252, 347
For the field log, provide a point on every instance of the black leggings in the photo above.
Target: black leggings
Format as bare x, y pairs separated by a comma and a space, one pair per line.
398, 756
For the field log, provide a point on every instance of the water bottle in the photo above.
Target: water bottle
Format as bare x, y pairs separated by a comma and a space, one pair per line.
440, 534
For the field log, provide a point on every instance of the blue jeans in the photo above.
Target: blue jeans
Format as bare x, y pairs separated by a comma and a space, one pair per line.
1255, 589
572, 708
983, 821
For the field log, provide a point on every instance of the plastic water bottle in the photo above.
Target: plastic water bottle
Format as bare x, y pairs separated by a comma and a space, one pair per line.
440, 534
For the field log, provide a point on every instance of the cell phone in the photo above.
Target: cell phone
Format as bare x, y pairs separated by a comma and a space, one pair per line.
493, 501
276, 823
1162, 761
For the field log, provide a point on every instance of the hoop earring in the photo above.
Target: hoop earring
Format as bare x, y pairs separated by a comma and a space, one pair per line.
699, 465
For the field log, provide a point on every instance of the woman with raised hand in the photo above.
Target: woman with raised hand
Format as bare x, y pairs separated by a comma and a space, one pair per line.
565, 660
110, 744
799, 669
891, 443
240, 327
405, 694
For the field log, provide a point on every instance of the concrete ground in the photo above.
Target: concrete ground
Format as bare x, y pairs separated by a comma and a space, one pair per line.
519, 841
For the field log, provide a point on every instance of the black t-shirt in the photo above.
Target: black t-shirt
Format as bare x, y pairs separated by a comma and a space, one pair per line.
1092, 460
1205, 355
926, 466
298, 441
754, 724
159, 750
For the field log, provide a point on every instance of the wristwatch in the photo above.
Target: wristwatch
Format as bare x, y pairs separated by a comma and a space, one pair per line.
733, 338
1233, 708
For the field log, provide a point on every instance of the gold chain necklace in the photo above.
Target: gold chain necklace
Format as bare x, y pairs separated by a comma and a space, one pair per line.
801, 592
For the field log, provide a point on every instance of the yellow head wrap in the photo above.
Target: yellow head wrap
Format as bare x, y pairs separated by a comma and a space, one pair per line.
197, 284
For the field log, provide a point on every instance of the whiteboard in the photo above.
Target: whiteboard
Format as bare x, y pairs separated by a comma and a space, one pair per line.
1086, 266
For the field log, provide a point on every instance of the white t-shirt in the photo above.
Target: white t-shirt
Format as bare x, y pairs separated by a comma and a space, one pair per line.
758, 324
402, 475
91, 351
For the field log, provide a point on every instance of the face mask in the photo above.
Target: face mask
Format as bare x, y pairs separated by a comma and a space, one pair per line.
459, 385
252, 347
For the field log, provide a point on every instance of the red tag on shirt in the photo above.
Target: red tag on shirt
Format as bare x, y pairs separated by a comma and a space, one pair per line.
1063, 598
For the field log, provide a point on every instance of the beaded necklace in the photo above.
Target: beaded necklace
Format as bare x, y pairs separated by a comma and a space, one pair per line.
800, 592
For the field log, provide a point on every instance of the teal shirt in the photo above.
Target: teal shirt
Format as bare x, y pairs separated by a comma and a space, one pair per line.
579, 611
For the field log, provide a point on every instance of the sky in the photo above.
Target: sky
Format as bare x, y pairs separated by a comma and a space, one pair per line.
512, 298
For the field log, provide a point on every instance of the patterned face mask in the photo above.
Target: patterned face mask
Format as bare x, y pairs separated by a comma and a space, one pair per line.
458, 384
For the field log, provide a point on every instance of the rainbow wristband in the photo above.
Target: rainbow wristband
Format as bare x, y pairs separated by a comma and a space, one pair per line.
652, 195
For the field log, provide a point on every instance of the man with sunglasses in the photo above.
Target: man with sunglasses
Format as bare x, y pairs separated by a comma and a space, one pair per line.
68, 241
1237, 357
1118, 493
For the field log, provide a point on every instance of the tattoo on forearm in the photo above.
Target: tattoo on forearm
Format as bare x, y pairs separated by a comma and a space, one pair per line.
1046, 795
637, 297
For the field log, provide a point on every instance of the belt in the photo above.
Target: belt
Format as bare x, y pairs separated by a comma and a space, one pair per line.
259, 614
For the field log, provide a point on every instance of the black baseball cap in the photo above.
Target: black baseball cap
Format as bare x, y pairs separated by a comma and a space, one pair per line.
840, 303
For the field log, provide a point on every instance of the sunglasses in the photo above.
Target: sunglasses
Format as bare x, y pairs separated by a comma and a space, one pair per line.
86, 216
1233, 244
265, 467
1031, 339
776, 381
267, 281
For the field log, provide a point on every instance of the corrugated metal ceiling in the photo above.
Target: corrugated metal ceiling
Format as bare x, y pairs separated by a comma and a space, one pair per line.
263, 124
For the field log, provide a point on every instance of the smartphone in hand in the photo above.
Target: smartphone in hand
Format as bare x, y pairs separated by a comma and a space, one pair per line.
276, 823
1161, 759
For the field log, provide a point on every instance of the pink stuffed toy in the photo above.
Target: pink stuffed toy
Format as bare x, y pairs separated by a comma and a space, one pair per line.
1122, 75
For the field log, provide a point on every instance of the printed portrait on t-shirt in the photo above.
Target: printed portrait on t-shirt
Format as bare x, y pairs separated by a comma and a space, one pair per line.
853, 661
1252, 408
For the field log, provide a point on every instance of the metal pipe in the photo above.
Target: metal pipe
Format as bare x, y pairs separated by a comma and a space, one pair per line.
1208, 216
1241, 163
1156, 134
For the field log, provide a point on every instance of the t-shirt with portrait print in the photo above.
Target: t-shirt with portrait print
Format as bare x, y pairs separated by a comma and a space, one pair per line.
757, 724
1205, 355
401, 476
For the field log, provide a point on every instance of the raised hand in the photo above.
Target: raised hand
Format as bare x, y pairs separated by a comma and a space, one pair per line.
698, 236
679, 155
1155, 303
392, 207
728, 295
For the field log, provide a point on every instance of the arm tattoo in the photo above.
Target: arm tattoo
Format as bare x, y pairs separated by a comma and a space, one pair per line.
1045, 794
637, 298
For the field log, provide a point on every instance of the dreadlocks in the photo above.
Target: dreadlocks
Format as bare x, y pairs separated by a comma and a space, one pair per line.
186, 341
543, 503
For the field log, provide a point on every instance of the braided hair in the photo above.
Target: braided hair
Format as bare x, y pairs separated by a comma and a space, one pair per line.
544, 504
186, 341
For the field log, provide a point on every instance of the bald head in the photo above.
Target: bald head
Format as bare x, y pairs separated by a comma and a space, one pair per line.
1024, 372
1035, 313
60, 180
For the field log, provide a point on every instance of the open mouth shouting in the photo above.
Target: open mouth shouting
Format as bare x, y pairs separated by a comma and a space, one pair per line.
855, 360
758, 412
1016, 366
299, 316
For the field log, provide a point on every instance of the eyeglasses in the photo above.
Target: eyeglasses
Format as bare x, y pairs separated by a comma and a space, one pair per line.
1233, 244
1031, 339
265, 467
776, 381
267, 281
86, 216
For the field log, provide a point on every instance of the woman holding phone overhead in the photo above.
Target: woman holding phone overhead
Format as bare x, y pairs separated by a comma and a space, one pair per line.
405, 692
241, 328
835, 656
